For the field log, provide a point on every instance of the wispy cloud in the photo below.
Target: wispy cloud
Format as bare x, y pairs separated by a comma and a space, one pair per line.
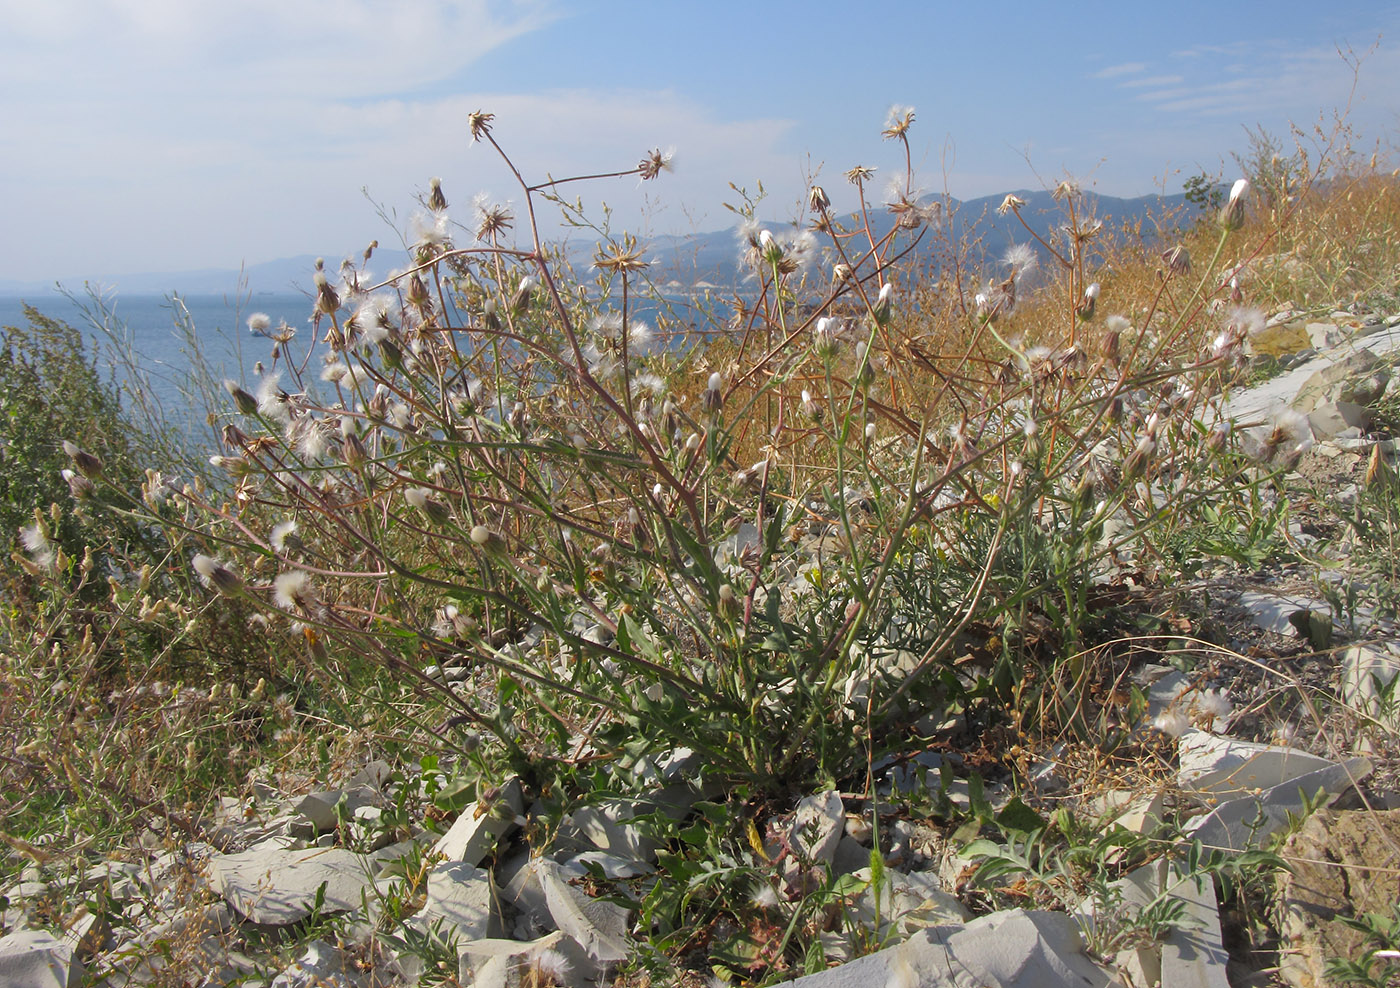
1152, 80
1114, 71
1253, 78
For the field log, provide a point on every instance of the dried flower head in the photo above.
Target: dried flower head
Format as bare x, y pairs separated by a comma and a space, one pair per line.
492, 219
713, 400
622, 257
655, 162
1012, 203
479, 124
859, 175
897, 122
1177, 260
283, 536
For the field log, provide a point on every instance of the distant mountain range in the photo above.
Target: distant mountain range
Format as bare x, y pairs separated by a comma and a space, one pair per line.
693, 260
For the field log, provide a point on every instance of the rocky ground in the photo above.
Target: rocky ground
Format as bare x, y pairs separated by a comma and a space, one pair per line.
1271, 705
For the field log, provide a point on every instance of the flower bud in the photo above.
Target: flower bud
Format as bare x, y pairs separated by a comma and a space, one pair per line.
520, 301
713, 400
1232, 213
88, 465
353, 450
242, 400
437, 202
327, 301
884, 302
489, 540
215, 574
1085, 310
78, 485
728, 603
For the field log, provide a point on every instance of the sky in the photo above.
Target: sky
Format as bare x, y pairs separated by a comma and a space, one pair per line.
169, 135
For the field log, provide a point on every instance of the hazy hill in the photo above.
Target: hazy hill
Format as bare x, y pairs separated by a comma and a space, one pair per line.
711, 257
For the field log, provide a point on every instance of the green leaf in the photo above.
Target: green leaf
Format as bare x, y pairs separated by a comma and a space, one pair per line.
1017, 816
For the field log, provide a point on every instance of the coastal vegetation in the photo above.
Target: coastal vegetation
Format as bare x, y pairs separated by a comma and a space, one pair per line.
900, 494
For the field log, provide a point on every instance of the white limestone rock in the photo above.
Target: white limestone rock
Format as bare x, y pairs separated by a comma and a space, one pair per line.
478, 828
38, 959
275, 885
817, 827
1013, 948
461, 902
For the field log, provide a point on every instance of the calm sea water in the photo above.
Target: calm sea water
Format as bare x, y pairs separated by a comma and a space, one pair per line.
148, 327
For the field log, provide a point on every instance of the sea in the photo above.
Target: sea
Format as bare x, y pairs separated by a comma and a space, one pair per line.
141, 342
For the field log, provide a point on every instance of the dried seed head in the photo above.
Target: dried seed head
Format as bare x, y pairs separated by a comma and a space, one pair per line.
824, 339
728, 603
817, 200
654, 163
1012, 203
1177, 260
859, 175
884, 303
353, 451
520, 301
897, 122
479, 124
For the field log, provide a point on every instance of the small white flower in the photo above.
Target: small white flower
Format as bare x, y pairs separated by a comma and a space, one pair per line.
259, 323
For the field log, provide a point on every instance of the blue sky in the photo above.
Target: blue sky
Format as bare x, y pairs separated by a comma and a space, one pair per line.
146, 135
